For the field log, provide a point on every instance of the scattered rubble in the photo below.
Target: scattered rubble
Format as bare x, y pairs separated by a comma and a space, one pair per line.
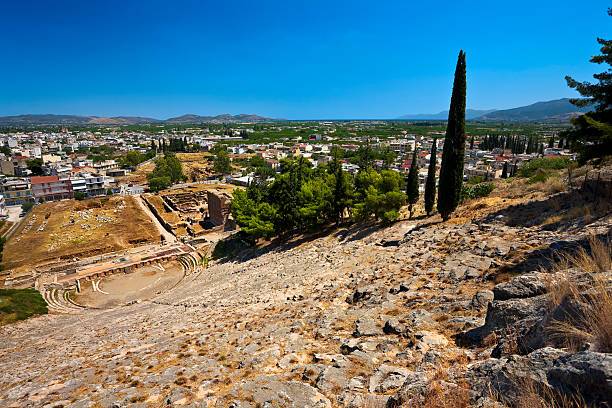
331, 321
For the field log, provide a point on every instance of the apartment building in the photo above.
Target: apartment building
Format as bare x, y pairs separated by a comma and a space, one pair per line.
92, 185
16, 191
51, 188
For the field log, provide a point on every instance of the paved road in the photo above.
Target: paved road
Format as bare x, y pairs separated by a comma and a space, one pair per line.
163, 231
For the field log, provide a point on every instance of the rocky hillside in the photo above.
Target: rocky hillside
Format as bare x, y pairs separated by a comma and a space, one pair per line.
420, 313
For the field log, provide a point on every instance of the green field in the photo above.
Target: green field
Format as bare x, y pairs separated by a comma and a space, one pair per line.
20, 304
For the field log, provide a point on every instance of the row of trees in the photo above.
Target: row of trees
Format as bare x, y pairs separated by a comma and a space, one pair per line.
520, 144
175, 144
134, 158
168, 170
302, 198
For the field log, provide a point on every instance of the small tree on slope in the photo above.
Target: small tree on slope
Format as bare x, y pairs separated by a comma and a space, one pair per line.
430, 184
412, 184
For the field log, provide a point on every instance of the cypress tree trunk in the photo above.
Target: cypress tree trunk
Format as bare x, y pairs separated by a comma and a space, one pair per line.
451, 172
412, 184
505, 171
430, 184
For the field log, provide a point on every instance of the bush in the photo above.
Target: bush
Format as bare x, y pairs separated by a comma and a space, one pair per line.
25, 207
159, 183
476, 191
539, 176
545, 164
80, 196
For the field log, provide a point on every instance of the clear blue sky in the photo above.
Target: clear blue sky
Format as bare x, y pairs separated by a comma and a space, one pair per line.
289, 59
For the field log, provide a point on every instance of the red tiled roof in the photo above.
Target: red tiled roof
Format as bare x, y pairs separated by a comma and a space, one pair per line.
44, 179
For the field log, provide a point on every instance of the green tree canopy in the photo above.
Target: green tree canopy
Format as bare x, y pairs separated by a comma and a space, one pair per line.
591, 134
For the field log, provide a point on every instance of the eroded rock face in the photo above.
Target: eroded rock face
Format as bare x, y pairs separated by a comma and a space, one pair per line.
587, 372
482, 299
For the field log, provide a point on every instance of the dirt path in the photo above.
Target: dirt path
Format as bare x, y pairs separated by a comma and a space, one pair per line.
164, 232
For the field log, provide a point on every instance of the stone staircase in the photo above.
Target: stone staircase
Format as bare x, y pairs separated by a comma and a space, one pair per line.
191, 263
59, 301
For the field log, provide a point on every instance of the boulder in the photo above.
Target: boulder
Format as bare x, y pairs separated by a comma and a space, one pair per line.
481, 299
364, 293
403, 287
366, 326
419, 319
411, 392
586, 372
506, 377
331, 380
349, 346
520, 287
427, 339
393, 326
520, 314
388, 377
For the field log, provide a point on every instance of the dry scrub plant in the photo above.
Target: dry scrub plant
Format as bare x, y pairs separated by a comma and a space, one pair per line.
591, 322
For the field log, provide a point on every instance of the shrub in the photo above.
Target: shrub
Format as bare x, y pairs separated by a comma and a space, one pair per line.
80, 196
25, 207
545, 164
475, 180
476, 191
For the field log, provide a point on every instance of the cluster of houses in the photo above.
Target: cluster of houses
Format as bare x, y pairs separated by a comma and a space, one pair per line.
69, 173
483, 164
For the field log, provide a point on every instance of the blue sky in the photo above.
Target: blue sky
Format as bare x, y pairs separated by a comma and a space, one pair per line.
289, 59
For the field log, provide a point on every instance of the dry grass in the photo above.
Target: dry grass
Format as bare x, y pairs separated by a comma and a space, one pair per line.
438, 396
552, 185
533, 395
592, 323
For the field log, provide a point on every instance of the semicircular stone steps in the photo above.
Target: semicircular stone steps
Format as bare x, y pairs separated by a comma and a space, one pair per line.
59, 301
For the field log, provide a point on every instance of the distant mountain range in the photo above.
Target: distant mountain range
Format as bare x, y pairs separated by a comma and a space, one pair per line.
556, 111
41, 120
559, 110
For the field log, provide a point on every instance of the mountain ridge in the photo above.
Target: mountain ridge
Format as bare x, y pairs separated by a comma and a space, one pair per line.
53, 119
556, 110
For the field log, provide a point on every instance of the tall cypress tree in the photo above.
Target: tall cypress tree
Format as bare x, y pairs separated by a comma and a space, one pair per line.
412, 184
451, 172
505, 171
430, 184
